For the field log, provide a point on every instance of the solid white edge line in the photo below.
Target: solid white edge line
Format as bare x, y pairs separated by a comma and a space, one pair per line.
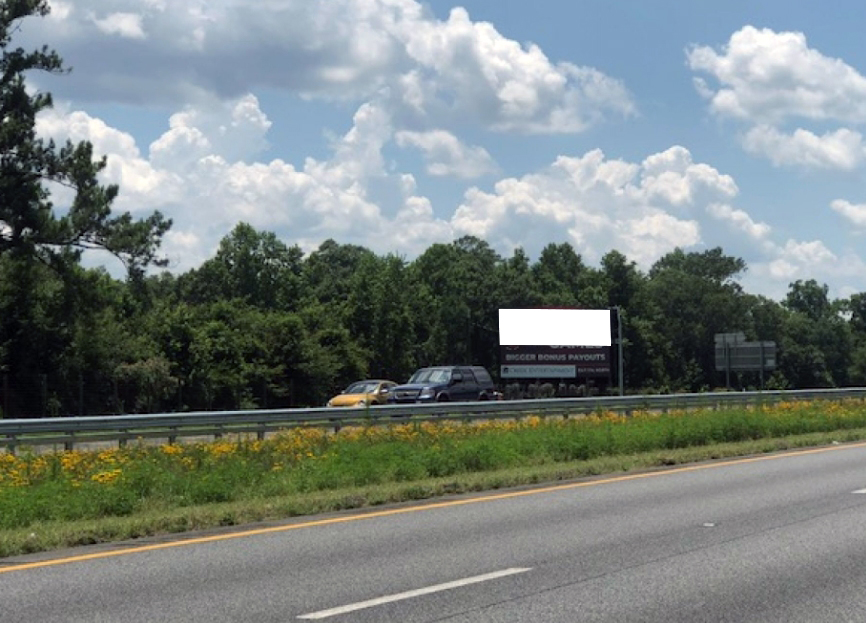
322, 614
859, 491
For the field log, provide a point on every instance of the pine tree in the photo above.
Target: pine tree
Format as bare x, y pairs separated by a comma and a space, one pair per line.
30, 227
40, 244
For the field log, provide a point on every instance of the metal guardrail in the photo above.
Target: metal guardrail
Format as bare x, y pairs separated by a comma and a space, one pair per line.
171, 426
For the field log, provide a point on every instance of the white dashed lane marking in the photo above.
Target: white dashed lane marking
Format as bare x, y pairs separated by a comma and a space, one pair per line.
378, 601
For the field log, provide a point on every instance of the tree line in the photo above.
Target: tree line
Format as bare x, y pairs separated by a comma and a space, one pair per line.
261, 324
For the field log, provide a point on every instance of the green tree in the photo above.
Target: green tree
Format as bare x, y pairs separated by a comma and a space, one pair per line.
643, 345
105, 332
249, 265
147, 385
456, 303
565, 281
856, 307
32, 231
809, 298
622, 279
765, 318
171, 326
380, 317
696, 296
29, 224
333, 357
441, 312
327, 271
515, 284
478, 264
817, 345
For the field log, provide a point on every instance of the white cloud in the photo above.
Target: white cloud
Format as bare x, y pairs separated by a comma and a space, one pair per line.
446, 155
771, 80
509, 86
767, 77
435, 72
59, 10
142, 185
842, 149
740, 220
672, 176
813, 260
193, 175
196, 175
359, 152
649, 237
77, 126
854, 213
122, 24
812, 253
782, 264
597, 205
234, 130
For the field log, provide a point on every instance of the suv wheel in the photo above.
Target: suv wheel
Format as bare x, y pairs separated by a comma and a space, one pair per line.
442, 398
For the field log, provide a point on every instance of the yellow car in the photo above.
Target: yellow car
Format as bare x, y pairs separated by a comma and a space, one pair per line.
363, 394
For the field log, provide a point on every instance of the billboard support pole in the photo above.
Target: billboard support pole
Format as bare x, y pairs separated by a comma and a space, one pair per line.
762, 366
619, 365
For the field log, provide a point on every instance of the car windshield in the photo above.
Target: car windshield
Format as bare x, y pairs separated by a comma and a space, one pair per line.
364, 387
431, 375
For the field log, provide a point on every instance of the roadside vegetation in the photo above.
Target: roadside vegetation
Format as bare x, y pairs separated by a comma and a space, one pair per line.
62, 499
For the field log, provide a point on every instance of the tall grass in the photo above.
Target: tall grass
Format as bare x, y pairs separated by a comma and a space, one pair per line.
124, 482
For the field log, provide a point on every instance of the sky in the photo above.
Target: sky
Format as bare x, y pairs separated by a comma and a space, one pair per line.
395, 124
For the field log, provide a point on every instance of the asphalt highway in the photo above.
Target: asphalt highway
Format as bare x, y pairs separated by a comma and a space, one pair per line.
773, 538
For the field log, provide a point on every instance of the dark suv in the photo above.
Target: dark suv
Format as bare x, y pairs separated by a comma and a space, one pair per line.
441, 383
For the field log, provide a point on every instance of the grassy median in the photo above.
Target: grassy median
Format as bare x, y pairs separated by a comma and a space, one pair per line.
48, 501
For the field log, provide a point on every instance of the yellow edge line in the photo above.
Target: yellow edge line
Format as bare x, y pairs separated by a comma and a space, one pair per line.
421, 507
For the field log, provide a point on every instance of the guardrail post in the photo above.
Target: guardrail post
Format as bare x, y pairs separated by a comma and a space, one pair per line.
260, 433
7, 413
69, 444
172, 437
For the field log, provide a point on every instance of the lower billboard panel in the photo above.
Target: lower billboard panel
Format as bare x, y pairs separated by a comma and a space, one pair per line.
539, 362
538, 372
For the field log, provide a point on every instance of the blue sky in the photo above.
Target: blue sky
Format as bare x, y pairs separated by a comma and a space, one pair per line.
394, 124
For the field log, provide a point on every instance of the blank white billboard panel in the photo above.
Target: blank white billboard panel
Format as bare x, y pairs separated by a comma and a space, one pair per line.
540, 327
